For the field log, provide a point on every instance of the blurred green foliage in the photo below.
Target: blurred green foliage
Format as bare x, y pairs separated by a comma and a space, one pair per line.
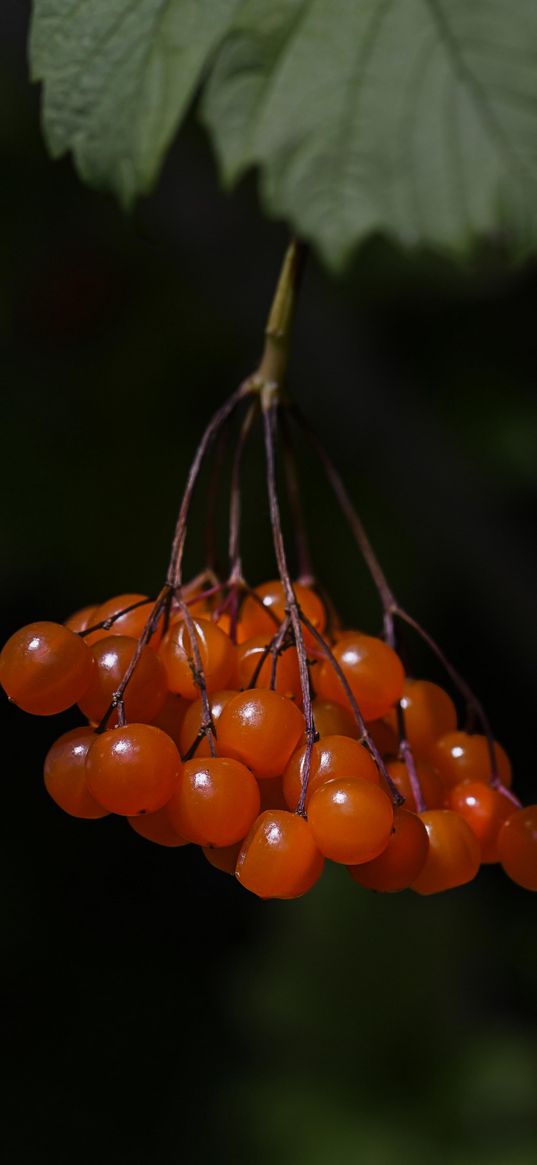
153, 1010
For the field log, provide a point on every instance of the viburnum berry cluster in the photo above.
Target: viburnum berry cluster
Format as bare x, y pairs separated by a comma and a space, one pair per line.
250, 722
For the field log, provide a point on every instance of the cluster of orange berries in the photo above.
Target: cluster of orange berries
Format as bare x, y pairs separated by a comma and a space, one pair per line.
220, 761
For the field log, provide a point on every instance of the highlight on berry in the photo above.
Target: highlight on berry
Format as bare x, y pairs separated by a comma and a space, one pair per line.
250, 722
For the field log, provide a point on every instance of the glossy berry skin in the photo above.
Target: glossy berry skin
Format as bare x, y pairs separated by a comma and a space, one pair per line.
453, 856
172, 716
193, 721
279, 858
217, 654
384, 736
157, 827
333, 719
459, 756
223, 858
272, 795
429, 713
517, 847
81, 619
351, 820
254, 621
45, 668
332, 757
131, 623
146, 691
373, 671
261, 729
430, 783
133, 770
215, 801
397, 867
251, 652
65, 774
485, 809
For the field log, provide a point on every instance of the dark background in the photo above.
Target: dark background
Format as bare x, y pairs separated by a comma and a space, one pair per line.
152, 1010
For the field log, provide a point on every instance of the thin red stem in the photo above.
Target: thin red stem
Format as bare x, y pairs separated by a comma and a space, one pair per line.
174, 575
235, 563
292, 608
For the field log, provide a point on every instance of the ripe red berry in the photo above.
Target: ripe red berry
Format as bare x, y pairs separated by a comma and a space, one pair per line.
223, 858
429, 713
351, 820
249, 655
517, 847
398, 866
384, 736
333, 719
158, 828
373, 671
172, 716
65, 774
217, 654
279, 858
429, 781
485, 809
254, 621
261, 729
133, 769
460, 756
272, 795
453, 856
131, 623
81, 619
194, 718
331, 757
215, 801
45, 668
146, 691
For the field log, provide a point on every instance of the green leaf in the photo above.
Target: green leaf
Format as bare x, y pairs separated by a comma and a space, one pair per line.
414, 118
118, 76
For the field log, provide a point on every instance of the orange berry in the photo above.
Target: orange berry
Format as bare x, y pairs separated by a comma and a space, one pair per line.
252, 651
384, 736
429, 713
65, 774
373, 671
430, 784
517, 846
400, 863
272, 794
157, 827
453, 856
223, 858
81, 619
485, 809
279, 858
194, 719
254, 621
133, 770
459, 756
131, 623
260, 728
333, 720
146, 691
351, 820
215, 802
331, 757
217, 654
45, 668
172, 716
